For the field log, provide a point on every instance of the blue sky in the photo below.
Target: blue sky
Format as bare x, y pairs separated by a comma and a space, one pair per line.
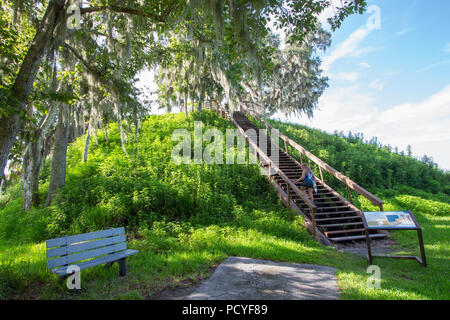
392, 82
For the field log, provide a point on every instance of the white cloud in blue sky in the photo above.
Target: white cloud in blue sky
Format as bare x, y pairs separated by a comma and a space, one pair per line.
348, 48
447, 48
348, 76
403, 32
377, 84
364, 65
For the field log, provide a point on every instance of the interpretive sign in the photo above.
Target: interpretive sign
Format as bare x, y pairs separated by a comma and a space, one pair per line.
392, 220
389, 219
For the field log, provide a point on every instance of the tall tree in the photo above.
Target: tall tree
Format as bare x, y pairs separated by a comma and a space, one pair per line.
51, 29
226, 36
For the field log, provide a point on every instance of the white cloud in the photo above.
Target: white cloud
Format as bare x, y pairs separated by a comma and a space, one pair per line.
376, 84
348, 76
348, 48
447, 48
364, 65
425, 125
403, 32
434, 65
392, 73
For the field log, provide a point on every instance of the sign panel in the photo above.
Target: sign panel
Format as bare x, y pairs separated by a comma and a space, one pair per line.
389, 219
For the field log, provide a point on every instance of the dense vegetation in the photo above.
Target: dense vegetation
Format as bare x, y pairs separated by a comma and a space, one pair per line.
112, 189
185, 219
370, 164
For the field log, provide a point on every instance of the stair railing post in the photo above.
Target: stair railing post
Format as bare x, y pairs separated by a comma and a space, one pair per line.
313, 217
270, 169
289, 195
350, 195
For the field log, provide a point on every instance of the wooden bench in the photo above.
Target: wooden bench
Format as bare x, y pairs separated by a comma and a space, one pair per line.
100, 247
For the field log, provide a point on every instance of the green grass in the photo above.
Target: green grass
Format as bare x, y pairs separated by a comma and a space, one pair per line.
232, 212
185, 254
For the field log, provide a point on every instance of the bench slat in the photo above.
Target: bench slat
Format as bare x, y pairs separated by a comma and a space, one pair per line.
69, 259
55, 252
95, 262
63, 241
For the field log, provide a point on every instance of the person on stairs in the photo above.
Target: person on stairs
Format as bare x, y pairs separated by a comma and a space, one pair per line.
308, 183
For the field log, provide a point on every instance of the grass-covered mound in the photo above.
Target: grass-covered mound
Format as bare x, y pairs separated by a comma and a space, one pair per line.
114, 189
184, 219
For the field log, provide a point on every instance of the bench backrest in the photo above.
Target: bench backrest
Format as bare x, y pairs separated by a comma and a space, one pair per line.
69, 250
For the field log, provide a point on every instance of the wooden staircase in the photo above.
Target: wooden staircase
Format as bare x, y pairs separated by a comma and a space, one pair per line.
330, 213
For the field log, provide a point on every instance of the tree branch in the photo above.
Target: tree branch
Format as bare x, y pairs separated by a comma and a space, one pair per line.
108, 83
90, 68
134, 11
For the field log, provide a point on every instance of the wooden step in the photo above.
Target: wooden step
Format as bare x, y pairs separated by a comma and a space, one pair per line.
335, 207
322, 208
317, 202
316, 195
334, 213
327, 200
340, 224
339, 218
363, 237
327, 233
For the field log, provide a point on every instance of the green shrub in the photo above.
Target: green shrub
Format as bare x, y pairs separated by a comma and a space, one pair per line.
435, 208
21, 226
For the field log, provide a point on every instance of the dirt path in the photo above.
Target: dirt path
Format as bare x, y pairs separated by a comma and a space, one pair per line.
239, 278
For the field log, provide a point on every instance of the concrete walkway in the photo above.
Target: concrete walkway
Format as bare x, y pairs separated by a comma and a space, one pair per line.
239, 278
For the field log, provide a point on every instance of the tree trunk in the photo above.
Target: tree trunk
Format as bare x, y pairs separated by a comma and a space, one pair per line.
192, 101
32, 160
201, 101
86, 145
10, 125
88, 134
185, 104
136, 134
32, 164
122, 137
2, 182
118, 114
59, 160
4, 185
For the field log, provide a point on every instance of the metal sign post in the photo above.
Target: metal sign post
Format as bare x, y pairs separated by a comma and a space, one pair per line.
392, 220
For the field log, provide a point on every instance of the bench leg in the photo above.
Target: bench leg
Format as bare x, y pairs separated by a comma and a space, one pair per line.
122, 267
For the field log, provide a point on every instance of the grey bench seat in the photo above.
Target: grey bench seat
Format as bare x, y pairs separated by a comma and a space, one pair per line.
88, 250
